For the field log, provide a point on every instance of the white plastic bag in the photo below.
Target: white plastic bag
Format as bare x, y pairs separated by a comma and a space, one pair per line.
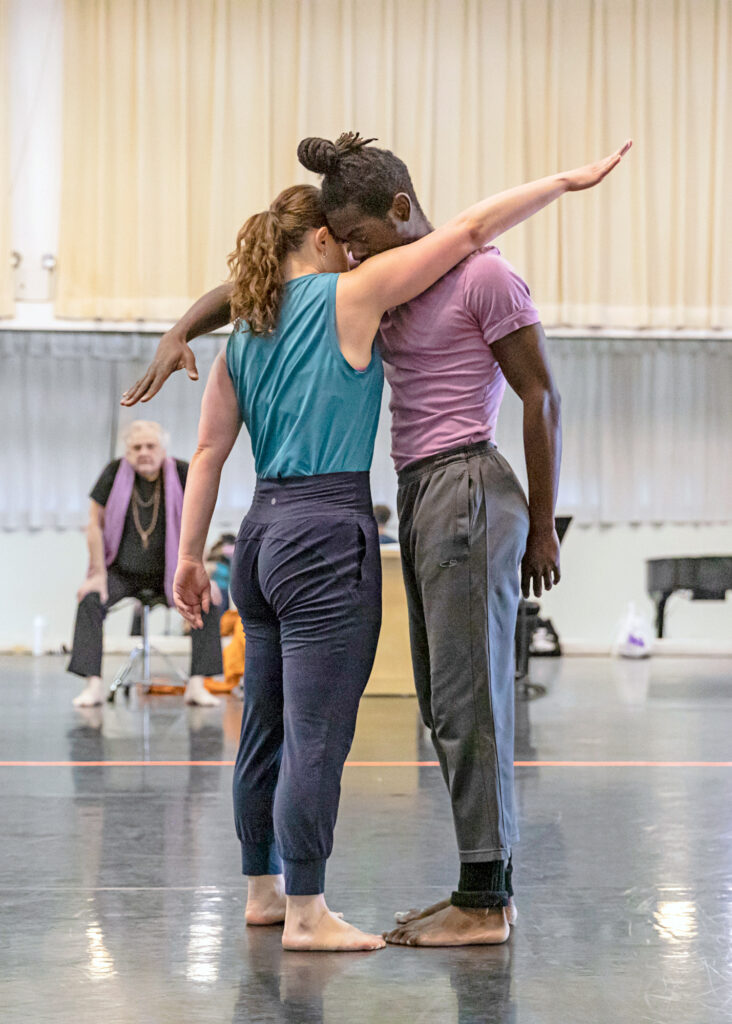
635, 635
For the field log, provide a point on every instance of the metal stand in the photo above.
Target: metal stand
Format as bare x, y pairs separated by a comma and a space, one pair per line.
525, 689
126, 676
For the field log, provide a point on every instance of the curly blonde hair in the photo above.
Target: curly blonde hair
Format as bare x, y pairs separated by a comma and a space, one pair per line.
256, 264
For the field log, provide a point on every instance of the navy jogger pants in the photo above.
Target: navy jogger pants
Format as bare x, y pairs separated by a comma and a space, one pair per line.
306, 579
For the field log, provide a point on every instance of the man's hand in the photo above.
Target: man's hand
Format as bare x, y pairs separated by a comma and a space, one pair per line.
95, 582
540, 563
592, 174
192, 591
173, 353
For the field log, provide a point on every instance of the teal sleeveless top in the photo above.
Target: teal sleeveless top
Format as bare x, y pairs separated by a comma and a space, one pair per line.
306, 409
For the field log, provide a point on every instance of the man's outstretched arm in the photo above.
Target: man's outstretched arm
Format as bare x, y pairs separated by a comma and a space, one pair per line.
523, 358
173, 353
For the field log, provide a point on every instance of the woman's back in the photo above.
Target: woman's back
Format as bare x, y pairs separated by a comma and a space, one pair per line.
308, 411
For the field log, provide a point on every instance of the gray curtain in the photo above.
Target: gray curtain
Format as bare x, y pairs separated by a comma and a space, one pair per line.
647, 427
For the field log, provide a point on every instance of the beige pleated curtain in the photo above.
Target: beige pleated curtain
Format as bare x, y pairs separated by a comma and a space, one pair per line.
6, 279
182, 117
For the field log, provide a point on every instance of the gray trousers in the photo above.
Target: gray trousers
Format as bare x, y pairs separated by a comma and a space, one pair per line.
463, 523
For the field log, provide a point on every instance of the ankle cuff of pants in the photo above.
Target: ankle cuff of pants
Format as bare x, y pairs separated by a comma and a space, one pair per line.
479, 900
260, 859
304, 877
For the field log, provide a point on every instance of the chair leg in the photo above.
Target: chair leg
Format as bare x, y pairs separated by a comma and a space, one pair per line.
124, 673
172, 667
146, 646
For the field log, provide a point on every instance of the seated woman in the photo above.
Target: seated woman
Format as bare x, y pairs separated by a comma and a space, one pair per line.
300, 372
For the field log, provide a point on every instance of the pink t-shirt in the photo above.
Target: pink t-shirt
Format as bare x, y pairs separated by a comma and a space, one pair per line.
446, 386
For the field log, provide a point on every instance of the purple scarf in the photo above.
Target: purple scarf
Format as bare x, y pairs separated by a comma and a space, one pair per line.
115, 512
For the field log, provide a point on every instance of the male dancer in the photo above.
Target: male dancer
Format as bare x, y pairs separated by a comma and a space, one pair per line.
464, 524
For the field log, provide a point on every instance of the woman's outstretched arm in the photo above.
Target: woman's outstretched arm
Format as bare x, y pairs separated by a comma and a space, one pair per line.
217, 431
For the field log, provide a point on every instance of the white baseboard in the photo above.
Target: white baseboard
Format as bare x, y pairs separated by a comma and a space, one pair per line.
664, 648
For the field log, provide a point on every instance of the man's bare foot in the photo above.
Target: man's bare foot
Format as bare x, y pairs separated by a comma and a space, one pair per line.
196, 693
309, 925
92, 694
266, 900
415, 914
454, 926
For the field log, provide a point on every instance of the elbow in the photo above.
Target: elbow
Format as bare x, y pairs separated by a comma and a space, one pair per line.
553, 405
546, 401
209, 456
477, 234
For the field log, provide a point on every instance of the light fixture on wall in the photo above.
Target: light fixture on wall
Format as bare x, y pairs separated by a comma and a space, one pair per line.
49, 264
15, 259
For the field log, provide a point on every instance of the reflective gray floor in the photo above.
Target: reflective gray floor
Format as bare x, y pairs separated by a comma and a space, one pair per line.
121, 901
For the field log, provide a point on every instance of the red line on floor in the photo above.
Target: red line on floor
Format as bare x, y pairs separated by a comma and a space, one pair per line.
366, 764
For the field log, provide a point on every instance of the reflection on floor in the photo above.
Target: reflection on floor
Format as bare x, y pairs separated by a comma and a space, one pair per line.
121, 901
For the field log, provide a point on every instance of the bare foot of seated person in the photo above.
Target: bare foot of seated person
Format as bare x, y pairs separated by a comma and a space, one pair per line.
92, 694
196, 693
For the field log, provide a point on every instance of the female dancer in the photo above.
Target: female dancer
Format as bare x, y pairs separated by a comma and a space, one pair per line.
300, 371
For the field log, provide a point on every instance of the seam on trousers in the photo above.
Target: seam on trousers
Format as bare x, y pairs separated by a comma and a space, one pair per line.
490, 674
501, 808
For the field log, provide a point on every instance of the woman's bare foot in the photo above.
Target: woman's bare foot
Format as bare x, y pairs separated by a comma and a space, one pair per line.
196, 693
309, 925
266, 900
92, 694
454, 926
415, 914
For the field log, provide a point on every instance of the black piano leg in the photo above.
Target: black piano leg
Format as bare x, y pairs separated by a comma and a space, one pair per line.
660, 609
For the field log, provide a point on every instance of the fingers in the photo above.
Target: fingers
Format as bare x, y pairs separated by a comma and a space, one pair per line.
132, 395
525, 581
159, 378
192, 614
189, 363
546, 577
190, 610
625, 147
206, 600
539, 579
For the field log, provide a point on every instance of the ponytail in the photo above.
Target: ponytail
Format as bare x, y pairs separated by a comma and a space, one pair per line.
256, 264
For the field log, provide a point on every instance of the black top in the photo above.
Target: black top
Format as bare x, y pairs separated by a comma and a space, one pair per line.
132, 558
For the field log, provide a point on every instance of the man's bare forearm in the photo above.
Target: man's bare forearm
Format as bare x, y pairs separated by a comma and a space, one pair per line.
207, 314
543, 449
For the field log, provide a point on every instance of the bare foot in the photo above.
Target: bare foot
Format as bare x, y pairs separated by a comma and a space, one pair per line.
454, 926
196, 693
309, 925
92, 694
415, 914
266, 900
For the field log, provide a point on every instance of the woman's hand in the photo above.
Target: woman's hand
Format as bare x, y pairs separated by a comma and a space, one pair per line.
592, 174
192, 591
173, 353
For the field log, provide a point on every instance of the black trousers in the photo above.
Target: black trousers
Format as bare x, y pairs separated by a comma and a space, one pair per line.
306, 578
86, 653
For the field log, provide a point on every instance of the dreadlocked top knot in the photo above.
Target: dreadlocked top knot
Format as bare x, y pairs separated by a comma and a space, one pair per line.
322, 156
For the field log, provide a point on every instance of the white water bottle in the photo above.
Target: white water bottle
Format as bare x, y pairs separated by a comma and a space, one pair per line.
39, 628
